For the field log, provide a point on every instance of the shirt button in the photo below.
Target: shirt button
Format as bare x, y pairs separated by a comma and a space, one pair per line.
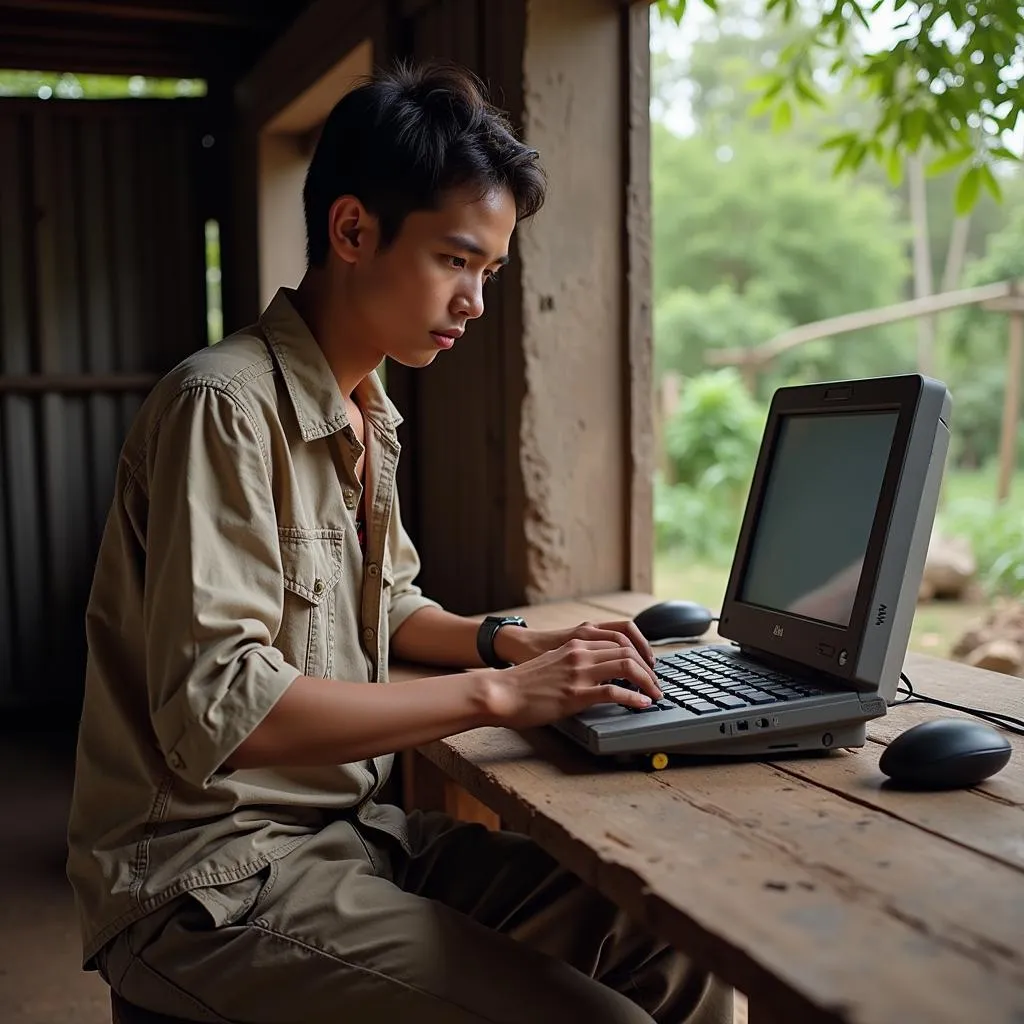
318, 587
373, 569
369, 633
350, 499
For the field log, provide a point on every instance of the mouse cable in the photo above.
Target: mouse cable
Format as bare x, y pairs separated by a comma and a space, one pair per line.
911, 696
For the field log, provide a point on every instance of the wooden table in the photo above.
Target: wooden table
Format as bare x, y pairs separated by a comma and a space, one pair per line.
805, 883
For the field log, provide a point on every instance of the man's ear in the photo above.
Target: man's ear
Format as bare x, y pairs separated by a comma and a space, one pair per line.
352, 230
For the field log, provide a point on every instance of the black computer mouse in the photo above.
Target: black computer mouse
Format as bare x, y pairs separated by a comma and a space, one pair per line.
947, 753
674, 620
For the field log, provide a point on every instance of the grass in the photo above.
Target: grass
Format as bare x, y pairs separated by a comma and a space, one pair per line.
937, 624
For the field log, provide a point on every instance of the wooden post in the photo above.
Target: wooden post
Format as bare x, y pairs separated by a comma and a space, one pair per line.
1011, 405
922, 261
1013, 306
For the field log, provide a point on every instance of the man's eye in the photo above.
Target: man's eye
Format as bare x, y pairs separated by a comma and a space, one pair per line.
492, 275
457, 262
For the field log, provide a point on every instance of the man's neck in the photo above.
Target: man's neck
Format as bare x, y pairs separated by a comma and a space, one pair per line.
323, 310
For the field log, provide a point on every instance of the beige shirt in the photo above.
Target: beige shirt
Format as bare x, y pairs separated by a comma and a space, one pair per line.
229, 566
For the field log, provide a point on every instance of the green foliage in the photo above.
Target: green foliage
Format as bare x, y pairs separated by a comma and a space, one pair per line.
688, 323
996, 534
976, 354
766, 221
948, 74
711, 443
214, 309
67, 86
751, 238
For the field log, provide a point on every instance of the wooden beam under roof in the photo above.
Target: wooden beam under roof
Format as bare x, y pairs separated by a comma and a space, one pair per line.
258, 14
181, 38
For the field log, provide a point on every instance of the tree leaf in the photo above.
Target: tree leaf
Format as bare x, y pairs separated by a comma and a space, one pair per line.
807, 92
672, 9
783, 116
761, 107
894, 166
840, 141
913, 128
967, 191
948, 161
990, 182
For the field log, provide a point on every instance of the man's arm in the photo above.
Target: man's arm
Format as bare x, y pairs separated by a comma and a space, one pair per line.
323, 721
432, 636
423, 633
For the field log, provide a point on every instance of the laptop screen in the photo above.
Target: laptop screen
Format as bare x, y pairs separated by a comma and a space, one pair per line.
819, 506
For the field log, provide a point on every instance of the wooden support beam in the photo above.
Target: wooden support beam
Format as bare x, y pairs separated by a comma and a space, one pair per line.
1011, 405
239, 14
636, 299
310, 48
848, 322
70, 384
1010, 304
425, 787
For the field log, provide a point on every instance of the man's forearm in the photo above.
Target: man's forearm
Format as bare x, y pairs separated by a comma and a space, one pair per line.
433, 636
324, 721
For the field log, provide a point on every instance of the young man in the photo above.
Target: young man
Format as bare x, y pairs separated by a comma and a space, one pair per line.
228, 855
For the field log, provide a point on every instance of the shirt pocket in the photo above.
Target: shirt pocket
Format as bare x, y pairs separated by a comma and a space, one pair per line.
313, 564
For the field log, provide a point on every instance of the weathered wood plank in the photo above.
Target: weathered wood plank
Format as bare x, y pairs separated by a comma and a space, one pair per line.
822, 877
870, 857
757, 916
786, 934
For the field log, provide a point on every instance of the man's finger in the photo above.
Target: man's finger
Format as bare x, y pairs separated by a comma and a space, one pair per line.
633, 632
628, 632
609, 632
609, 693
610, 664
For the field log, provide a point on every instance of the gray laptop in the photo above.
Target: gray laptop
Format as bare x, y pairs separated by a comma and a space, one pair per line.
823, 587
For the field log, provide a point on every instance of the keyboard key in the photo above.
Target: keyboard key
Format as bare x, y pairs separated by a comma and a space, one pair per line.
758, 697
701, 707
728, 701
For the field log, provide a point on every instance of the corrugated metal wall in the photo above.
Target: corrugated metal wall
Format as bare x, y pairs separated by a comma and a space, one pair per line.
102, 287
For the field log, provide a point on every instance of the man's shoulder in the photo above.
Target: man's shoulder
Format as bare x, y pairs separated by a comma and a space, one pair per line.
229, 366
237, 372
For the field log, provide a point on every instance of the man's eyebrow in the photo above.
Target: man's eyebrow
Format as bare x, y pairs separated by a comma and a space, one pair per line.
468, 245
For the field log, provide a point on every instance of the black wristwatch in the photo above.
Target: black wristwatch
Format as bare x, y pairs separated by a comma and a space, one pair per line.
485, 638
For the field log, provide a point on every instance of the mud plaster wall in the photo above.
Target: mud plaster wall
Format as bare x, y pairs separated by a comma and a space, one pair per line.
573, 436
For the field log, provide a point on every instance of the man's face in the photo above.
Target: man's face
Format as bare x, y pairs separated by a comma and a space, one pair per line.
415, 298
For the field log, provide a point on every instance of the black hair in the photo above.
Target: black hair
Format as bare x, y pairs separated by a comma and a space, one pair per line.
402, 139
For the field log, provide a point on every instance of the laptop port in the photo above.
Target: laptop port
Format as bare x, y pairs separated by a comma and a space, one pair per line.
743, 726
762, 723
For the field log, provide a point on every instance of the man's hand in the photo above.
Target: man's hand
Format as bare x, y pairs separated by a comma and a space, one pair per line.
567, 680
518, 644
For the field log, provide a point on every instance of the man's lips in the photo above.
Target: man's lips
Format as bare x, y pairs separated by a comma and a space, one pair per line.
445, 339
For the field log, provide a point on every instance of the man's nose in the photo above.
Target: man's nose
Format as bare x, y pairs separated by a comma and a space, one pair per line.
470, 302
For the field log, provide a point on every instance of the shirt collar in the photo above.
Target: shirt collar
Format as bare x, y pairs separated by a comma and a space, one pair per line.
314, 393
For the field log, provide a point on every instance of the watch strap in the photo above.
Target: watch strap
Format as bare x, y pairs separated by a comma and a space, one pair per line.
485, 638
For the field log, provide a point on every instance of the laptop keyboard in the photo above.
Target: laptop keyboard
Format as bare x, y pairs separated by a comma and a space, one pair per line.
706, 680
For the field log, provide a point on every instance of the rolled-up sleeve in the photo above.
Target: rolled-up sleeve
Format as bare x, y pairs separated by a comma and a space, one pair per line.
213, 595
406, 597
